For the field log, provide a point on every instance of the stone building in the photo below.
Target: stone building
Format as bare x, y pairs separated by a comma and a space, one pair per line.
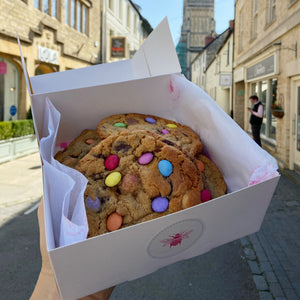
267, 63
58, 35
198, 23
212, 69
122, 24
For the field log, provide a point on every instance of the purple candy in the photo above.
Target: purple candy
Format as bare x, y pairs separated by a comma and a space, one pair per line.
160, 204
93, 204
150, 120
165, 131
146, 158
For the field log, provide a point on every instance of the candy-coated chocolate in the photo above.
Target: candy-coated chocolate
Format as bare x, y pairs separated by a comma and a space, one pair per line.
150, 120
171, 125
165, 168
146, 158
89, 141
205, 195
93, 204
165, 131
160, 204
111, 162
200, 165
122, 125
114, 221
113, 179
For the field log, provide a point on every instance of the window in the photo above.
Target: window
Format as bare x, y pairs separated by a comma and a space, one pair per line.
120, 10
46, 6
228, 54
254, 19
241, 31
271, 11
128, 16
266, 91
76, 15
111, 4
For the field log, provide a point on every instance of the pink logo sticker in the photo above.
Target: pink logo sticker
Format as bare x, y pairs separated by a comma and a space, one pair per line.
176, 238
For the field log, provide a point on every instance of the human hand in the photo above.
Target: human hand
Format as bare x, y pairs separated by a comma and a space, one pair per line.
46, 287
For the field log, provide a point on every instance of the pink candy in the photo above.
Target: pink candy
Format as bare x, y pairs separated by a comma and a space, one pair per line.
146, 158
165, 131
205, 195
111, 162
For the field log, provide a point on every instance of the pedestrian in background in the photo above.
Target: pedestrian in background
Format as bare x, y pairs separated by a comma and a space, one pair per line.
256, 118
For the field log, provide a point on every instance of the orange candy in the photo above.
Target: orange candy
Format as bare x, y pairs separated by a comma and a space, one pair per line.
114, 221
200, 165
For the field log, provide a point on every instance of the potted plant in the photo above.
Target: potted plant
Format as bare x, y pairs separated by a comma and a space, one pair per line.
277, 110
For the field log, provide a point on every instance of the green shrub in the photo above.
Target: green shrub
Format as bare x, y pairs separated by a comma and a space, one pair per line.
12, 129
6, 131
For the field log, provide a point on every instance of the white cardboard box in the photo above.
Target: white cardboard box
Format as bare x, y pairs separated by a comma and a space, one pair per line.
150, 83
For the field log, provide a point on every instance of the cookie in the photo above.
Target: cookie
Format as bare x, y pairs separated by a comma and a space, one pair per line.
79, 147
212, 178
135, 176
172, 132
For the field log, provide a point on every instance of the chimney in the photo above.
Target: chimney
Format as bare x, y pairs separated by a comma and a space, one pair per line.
231, 24
208, 39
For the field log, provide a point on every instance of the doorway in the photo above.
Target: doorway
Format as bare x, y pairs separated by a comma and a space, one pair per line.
9, 90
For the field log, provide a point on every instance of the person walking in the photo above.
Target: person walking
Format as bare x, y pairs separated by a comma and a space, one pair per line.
256, 118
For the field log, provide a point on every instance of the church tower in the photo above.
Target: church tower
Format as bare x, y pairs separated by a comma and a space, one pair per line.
198, 23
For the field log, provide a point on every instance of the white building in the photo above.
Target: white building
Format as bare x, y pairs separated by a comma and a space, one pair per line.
123, 29
212, 69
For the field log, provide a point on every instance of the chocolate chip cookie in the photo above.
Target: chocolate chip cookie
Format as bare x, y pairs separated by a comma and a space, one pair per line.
79, 147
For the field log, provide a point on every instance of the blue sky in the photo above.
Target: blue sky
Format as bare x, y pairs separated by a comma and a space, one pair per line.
156, 10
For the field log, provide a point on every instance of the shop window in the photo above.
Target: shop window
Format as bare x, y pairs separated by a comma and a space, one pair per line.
43, 69
266, 91
76, 15
46, 6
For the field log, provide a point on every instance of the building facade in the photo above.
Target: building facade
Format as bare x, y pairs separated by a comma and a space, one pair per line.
212, 69
55, 36
198, 23
58, 35
123, 29
267, 63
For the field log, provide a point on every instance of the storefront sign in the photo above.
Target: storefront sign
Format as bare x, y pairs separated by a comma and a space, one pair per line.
263, 68
48, 55
225, 80
3, 67
118, 47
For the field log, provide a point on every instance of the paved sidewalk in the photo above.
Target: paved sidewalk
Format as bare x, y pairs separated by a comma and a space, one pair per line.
273, 253
20, 185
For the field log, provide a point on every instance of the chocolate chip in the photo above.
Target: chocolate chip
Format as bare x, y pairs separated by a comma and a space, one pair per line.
168, 142
97, 176
131, 121
100, 155
74, 156
121, 147
104, 200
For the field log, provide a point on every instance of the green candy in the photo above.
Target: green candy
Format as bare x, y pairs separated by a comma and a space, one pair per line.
120, 125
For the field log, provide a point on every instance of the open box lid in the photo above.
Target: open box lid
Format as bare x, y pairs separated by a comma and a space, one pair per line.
156, 56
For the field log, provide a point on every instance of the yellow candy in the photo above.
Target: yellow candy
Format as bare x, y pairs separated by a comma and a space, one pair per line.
171, 125
113, 179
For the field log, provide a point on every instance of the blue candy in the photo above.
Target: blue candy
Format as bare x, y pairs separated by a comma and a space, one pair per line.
165, 168
150, 120
160, 204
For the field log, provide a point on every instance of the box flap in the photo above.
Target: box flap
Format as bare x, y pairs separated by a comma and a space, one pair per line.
157, 56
